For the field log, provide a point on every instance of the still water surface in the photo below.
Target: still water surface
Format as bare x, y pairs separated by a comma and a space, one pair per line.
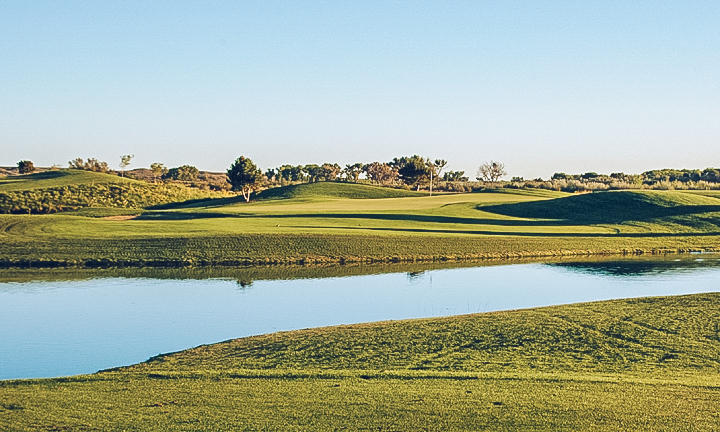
65, 323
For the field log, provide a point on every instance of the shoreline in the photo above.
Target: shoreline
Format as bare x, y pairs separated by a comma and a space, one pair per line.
322, 261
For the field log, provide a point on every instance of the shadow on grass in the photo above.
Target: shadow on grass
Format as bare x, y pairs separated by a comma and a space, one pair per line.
603, 208
202, 202
45, 175
572, 220
361, 216
520, 233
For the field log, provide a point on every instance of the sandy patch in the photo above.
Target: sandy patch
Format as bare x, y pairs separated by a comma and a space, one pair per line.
120, 218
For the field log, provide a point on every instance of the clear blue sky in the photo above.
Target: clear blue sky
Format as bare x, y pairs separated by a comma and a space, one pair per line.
549, 86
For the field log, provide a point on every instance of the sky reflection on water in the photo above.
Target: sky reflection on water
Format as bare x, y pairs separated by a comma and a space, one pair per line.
63, 327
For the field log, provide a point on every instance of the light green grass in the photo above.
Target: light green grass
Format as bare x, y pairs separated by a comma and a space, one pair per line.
330, 229
639, 364
333, 190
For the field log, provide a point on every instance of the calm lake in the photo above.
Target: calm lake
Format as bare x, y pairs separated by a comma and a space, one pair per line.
67, 322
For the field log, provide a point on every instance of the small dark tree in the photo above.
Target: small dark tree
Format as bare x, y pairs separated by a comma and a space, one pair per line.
455, 176
271, 175
244, 176
412, 170
314, 172
25, 167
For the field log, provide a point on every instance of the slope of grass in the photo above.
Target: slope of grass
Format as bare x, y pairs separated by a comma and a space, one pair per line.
611, 207
333, 190
59, 178
55, 191
646, 335
640, 364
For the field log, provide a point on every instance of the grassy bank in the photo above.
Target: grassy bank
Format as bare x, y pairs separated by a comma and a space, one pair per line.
638, 364
346, 223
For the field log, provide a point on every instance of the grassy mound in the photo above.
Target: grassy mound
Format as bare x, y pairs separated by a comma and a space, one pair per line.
611, 207
638, 335
642, 364
59, 178
56, 191
333, 190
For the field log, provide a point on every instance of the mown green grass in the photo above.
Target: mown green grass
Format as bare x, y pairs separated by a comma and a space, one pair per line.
333, 190
321, 228
637, 364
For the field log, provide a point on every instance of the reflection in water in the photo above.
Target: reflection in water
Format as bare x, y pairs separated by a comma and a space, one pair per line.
63, 322
667, 265
244, 283
607, 265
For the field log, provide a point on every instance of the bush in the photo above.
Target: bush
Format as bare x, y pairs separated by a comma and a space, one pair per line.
186, 173
25, 167
91, 164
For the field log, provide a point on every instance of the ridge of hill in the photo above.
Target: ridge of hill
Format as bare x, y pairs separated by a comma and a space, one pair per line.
59, 178
611, 207
334, 190
629, 335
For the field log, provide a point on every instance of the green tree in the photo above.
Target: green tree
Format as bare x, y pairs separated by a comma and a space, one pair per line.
25, 167
453, 176
353, 171
124, 163
271, 175
92, 164
158, 170
245, 176
290, 173
313, 171
185, 173
412, 170
329, 172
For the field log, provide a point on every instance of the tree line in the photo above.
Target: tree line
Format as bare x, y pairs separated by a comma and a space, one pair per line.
408, 171
404, 172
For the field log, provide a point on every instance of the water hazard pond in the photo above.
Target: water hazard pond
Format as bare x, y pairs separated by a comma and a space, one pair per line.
67, 322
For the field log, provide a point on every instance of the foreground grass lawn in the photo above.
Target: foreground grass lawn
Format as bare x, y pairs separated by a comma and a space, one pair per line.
637, 364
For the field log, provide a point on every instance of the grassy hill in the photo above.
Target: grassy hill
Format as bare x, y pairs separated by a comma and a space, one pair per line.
636, 364
611, 207
304, 192
59, 178
333, 190
63, 190
648, 335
